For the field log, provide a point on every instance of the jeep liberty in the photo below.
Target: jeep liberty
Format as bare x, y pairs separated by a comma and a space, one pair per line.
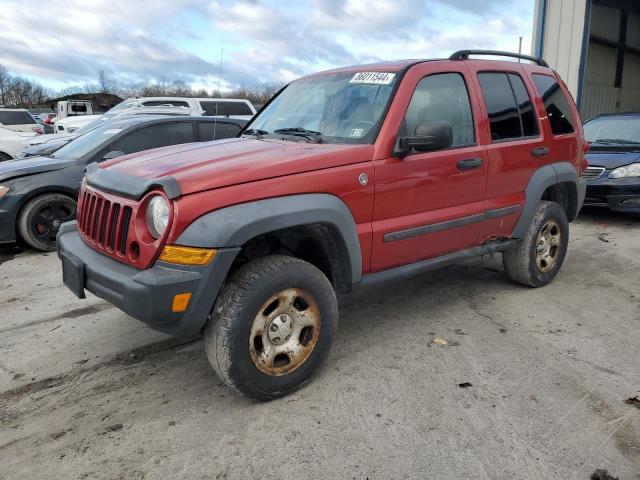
344, 179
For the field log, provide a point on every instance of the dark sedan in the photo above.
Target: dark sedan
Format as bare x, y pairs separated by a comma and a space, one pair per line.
38, 194
613, 175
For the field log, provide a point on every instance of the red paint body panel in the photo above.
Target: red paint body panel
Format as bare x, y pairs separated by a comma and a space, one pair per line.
418, 190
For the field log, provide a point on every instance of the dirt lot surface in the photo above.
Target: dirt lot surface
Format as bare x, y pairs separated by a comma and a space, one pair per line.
86, 392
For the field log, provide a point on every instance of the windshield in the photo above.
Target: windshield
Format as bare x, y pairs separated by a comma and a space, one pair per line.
91, 125
88, 142
339, 108
614, 130
131, 102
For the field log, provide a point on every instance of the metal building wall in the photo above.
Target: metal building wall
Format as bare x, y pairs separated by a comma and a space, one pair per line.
558, 36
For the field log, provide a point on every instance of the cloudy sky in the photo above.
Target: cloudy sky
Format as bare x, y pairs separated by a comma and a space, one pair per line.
66, 42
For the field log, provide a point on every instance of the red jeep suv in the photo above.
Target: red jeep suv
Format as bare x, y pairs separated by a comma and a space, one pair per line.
345, 178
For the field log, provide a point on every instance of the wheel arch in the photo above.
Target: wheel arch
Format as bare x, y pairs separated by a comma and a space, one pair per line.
318, 228
557, 182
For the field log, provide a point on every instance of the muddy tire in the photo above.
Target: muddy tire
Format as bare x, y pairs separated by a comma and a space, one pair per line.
40, 219
272, 327
538, 258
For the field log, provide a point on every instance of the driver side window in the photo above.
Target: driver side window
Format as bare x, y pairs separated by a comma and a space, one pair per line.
438, 98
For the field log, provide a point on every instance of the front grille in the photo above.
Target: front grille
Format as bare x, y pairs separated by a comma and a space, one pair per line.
591, 173
103, 222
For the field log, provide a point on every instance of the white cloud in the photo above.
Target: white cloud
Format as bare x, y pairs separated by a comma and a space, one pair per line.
70, 40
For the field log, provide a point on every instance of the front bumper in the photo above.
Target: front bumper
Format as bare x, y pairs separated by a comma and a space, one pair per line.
617, 194
146, 295
9, 206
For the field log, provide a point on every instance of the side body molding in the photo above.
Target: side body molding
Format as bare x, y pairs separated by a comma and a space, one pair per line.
544, 177
233, 226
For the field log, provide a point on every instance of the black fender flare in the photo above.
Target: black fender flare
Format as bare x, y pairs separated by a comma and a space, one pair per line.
543, 178
233, 226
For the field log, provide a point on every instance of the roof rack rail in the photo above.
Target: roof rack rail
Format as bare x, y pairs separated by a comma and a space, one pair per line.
464, 55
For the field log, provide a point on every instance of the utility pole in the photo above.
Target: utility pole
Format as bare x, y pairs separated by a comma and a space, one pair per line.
519, 47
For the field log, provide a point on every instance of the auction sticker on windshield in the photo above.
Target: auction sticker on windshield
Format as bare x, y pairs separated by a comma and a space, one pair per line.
373, 78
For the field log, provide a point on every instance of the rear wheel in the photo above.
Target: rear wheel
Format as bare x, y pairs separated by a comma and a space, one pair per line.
40, 219
538, 258
272, 327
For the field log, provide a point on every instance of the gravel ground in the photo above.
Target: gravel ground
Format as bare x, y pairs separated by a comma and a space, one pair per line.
87, 392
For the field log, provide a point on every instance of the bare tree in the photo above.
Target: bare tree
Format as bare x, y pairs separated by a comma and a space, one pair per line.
4, 79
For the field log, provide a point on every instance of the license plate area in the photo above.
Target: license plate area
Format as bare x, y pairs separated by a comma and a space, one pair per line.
73, 274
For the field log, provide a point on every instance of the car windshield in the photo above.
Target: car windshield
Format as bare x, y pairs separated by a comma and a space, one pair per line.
91, 125
614, 130
131, 102
337, 108
88, 142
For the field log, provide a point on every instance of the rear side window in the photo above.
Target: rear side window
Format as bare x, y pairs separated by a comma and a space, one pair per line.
15, 118
508, 106
223, 130
225, 108
525, 108
556, 104
155, 136
442, 97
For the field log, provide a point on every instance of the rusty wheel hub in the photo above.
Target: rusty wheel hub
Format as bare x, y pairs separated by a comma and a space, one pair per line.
284, 332
548, 246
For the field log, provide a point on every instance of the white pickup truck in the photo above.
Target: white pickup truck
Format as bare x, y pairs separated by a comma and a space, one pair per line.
225, 107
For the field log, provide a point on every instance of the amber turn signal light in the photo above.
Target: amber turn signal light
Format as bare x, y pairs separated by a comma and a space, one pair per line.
180, 302
187, 255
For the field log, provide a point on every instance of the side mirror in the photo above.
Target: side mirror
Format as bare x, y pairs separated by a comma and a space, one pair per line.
428, 137
113, 154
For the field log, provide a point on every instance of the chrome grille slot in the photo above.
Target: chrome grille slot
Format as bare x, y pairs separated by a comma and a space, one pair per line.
591, 173
126, 218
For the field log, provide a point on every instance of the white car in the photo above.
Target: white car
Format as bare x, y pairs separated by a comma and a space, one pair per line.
225, 107
20, 120
71, 124
11, 142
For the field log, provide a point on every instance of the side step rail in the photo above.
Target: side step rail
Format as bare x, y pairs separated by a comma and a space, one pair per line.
404, 271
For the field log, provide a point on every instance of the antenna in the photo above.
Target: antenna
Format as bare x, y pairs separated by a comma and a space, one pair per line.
215, 119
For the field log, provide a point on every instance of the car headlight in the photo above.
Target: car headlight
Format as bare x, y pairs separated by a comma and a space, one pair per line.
3, 190
157, 216
632, 170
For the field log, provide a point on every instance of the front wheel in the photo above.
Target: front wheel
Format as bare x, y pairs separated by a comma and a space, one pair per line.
272, 326
538, 258
40, 219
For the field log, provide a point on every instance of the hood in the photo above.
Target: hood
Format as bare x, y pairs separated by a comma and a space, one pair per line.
19, 168
43, 149
612, 159
203, 166
50, 137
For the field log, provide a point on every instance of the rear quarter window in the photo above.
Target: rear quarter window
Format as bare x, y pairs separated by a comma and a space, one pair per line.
15, 118
225, 108
222, 130
556, 104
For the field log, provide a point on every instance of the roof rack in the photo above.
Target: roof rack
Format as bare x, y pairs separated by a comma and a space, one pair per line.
464, 55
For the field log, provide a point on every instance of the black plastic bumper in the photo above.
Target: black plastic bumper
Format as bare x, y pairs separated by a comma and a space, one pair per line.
619, 195
146, 295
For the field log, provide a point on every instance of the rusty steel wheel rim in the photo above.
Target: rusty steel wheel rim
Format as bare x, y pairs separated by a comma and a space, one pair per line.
548, 246
284, 332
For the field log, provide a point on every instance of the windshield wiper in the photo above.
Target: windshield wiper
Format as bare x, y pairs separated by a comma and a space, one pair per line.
301, 132
255, 132
615, 141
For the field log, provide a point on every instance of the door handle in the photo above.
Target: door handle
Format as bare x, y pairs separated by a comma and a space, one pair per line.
469, 163
539, 152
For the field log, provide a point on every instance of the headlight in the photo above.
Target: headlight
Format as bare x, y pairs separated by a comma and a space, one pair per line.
3, 190
157, 216
632, 170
